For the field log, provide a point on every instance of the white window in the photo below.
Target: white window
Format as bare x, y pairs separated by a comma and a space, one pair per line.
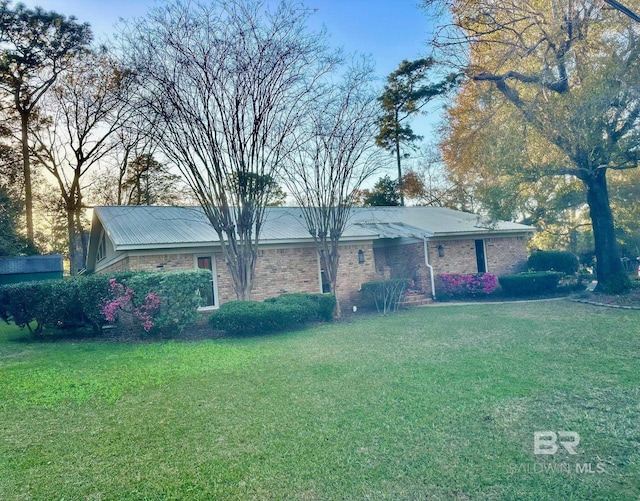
101, 252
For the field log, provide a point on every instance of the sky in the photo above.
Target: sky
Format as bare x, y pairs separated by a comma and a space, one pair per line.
387, 30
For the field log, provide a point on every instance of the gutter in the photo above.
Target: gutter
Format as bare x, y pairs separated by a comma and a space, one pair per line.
426, 237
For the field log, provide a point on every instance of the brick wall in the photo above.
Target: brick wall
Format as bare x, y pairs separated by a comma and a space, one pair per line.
285, 270
404, 261
162, 262
278, 270
503, 255
351, 273
506, 255
296, 269
120, 265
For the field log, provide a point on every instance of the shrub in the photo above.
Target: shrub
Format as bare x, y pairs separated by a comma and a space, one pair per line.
140, 312
92, 290
78, 301
384, 295
564, 262
50, 303
453, 285
527, 284
178, 293
250, 318
318, 307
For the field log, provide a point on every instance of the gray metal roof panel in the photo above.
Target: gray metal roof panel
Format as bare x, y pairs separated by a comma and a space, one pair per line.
147, 226
31, 264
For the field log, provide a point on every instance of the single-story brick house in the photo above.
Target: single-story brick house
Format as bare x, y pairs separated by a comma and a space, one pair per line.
380, 242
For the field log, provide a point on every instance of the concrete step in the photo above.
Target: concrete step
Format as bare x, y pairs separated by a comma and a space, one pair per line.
415, 300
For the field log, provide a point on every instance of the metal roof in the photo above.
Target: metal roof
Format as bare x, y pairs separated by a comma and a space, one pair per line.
31, 264
140, 227
433, 221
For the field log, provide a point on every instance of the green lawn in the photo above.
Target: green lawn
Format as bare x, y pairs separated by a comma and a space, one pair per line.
436, 403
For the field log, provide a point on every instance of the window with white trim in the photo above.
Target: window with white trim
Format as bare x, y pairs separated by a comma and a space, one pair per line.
101, 252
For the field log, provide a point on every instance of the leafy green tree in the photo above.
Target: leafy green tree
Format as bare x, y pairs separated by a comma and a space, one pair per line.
36, 46
569, 70
384, 193
407, 91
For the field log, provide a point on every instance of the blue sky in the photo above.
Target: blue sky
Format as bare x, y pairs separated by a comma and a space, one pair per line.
387, 30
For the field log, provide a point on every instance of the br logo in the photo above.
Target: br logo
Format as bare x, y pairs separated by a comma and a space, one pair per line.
546, 442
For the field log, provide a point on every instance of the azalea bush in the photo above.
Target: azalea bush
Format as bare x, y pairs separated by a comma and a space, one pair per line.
164, 302
460, 285
122, 301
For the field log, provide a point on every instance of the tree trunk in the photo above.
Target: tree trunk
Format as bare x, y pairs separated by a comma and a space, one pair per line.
399, 163
71, 232
609, 270
26, 166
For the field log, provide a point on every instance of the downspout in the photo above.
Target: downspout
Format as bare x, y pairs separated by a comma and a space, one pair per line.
428, 265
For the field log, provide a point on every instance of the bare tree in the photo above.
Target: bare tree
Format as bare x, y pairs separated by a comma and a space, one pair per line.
142, 181
229, 81
78, 122
35, 48
333, 157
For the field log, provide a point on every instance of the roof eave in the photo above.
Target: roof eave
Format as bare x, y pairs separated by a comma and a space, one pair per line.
196, 245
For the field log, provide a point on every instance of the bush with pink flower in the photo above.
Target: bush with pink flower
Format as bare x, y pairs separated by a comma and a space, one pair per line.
459, 285
123, 300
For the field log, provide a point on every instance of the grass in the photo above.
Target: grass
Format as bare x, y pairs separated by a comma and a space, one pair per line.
436, 403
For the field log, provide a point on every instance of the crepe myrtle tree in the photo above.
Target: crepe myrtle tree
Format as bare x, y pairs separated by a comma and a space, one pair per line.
334, 155
227, 82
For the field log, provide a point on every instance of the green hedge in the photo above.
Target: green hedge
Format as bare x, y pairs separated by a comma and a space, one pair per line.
562, 261
528, 284
59, 304
251, 318
320, 307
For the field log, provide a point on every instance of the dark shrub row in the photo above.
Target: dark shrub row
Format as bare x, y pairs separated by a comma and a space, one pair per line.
529, 284
250, 318
562, 261
79, 301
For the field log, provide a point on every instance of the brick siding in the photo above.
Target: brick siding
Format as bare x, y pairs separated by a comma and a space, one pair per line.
278, 270
296, 269
503, 255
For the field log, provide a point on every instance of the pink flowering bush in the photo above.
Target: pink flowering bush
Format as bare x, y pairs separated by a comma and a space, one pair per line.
123, 301
453, 285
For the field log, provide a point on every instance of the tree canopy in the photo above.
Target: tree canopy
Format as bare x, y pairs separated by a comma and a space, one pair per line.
407, 91
569, 72
36, 46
